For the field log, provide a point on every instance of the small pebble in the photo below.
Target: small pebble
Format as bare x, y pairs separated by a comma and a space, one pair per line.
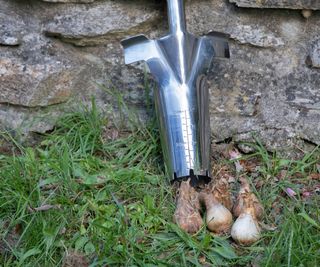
306, 13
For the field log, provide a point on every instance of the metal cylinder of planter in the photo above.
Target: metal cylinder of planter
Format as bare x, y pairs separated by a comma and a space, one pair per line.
179, 63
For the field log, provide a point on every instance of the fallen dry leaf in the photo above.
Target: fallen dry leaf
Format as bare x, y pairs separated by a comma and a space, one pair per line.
290, 192
223, 173
282, 174
44, 208
306, 194
202, 259
315, 176
234, 155
251, 165
267, 227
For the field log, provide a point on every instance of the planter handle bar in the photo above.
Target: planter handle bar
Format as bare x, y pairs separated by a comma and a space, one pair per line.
176, 16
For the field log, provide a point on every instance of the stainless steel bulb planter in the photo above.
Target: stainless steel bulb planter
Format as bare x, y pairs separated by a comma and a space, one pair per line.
179, 63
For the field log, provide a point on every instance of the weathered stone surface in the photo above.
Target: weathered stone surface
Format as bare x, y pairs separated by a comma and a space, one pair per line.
250, 93
34, 75
69, 1
313, 58
292, 4
11, 28
272, 97
254, 35
21, 121
103, 22
266, 90
242, 30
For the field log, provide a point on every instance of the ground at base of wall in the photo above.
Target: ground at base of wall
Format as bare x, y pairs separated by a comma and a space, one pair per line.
91, 195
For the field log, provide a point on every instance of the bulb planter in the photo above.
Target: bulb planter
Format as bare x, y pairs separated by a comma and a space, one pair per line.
179, 63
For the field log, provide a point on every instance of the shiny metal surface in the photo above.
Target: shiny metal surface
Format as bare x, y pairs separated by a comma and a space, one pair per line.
179, 63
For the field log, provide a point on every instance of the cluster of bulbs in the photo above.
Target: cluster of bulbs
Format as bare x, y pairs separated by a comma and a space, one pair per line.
219, 211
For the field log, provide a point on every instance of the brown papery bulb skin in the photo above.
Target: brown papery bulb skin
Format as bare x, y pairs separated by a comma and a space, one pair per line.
245, 230
247, 200
238, 206
221, 193
219, 218
187, 215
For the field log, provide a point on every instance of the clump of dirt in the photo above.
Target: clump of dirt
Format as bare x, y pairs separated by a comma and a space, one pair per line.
10, 240
75, 259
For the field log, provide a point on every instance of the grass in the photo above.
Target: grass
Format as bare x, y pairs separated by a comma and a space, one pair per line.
105, 201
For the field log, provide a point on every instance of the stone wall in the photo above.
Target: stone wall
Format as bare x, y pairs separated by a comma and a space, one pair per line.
55, 53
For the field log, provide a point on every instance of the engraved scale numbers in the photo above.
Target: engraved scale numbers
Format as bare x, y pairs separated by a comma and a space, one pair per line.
187, 137
183, 133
